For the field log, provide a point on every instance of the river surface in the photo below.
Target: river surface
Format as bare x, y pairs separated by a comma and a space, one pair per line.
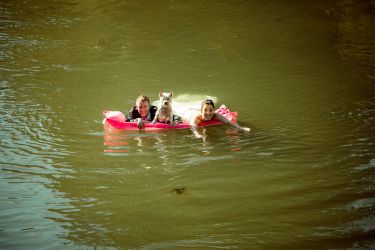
300, 74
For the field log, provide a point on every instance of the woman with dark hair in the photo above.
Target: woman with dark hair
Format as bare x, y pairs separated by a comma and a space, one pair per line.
207, 113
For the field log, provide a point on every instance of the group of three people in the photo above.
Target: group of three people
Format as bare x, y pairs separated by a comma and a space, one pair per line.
143, 112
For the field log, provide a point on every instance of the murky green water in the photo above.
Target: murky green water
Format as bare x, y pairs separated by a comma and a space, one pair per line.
301, 75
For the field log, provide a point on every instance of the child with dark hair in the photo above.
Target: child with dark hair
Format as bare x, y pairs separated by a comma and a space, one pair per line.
207, 113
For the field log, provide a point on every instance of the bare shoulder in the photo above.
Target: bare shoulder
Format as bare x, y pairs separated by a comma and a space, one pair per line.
196, 119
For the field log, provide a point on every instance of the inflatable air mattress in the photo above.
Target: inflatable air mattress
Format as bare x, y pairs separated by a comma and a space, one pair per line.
116, 119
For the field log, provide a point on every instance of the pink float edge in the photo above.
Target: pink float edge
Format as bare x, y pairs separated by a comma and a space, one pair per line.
116, 119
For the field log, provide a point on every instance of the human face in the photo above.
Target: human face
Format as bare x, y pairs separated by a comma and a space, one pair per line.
142, 108
207, 112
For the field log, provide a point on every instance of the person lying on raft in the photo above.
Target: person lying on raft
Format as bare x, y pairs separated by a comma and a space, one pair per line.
142, 111
207, 113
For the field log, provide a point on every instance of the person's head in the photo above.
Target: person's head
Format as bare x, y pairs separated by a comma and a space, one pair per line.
207, 109
143, 105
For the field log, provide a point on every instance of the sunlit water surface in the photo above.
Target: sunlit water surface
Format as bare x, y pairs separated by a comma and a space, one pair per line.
301, 75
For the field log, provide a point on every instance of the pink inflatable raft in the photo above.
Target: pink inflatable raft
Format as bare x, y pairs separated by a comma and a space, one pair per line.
116, 119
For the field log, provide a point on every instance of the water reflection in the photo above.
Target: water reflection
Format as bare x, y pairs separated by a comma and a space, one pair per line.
115, 142
119, 201
122, 141
216, 145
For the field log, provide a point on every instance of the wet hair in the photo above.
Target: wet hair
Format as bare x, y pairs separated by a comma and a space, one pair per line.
142, 98
208, 102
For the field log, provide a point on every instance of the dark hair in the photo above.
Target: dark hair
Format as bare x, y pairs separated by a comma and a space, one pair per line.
208, 102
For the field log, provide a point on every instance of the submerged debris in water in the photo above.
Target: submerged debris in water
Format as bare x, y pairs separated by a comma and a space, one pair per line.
178, 190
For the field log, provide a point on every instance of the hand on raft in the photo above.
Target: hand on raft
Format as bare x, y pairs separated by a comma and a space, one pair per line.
140, 123
246, 129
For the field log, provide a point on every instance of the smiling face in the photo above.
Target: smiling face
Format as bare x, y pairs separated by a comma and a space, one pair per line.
143, 108
207, 112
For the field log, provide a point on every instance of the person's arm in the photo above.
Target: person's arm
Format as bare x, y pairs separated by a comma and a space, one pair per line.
227, 122
194, 122
140, 123
130, 118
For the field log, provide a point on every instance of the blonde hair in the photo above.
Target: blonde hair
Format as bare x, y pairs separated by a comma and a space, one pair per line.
142, 98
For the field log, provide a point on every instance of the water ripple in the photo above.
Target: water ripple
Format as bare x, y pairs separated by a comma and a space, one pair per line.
29, 144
